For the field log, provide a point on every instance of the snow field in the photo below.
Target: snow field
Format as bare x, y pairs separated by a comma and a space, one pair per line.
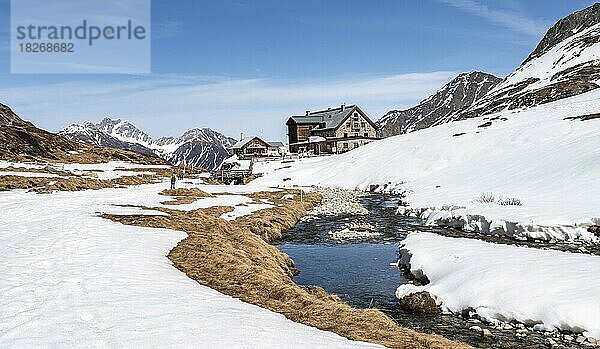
73, 279
550, 288
549, 163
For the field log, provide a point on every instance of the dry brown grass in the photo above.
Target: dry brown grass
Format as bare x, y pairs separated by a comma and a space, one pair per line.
47, 185
235, 258
36, 170
184, 196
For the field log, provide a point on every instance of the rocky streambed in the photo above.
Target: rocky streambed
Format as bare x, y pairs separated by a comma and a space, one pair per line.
349, 246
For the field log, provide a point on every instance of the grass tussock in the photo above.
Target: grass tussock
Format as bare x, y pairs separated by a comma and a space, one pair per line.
491, 198
184, 196
235, 258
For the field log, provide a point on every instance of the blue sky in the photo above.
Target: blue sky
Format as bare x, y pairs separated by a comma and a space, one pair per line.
245, 66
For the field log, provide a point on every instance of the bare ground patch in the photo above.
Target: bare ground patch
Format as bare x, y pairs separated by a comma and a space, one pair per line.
236, 258
48, 185
48, 169
184, 196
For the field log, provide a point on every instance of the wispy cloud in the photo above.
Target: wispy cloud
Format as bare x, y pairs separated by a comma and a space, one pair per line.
516, 21
169, 105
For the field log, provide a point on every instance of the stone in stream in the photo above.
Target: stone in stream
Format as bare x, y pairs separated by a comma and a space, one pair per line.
419, 302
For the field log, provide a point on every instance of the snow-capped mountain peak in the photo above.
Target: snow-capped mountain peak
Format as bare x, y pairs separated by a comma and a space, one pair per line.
124, 130
440, 107
200, 147
565, 63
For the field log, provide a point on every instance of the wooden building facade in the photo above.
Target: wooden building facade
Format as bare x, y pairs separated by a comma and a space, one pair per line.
330, 131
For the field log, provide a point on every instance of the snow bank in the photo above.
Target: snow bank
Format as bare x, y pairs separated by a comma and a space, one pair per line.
221, 200
459, 217
555, 289
29, 174
549, 163
110, 170
5, 164
72, 279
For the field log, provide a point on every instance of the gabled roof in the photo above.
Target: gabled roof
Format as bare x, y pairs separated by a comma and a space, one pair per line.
329, 118
307, 119
241, 143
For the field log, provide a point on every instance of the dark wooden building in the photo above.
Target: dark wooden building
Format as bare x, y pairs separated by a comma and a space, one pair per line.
334, 130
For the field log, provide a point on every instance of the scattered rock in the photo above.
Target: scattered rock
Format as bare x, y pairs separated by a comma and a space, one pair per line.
469, 313
476, 329
419, 302
349, 234
339, 201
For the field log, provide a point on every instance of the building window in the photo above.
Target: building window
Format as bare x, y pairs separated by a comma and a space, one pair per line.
345, 145
363, 124
345, 135
356, 125
348, 124
356, 134
366, 135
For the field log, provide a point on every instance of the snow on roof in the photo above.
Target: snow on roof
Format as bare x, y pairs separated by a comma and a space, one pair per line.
242, 142
329, 118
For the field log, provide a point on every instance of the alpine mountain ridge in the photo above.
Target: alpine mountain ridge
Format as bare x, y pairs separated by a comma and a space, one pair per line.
565, 63
200, 147
440, 107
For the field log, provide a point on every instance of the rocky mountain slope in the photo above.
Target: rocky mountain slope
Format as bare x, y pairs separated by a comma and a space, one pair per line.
7, 116
203, 148
441, 107
22, 141
90, 133
565, 63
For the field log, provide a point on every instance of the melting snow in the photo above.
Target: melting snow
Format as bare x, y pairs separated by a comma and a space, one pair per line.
551, 288
72, 279
549, 163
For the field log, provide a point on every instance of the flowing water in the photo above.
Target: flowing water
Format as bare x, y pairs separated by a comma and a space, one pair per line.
361, 271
